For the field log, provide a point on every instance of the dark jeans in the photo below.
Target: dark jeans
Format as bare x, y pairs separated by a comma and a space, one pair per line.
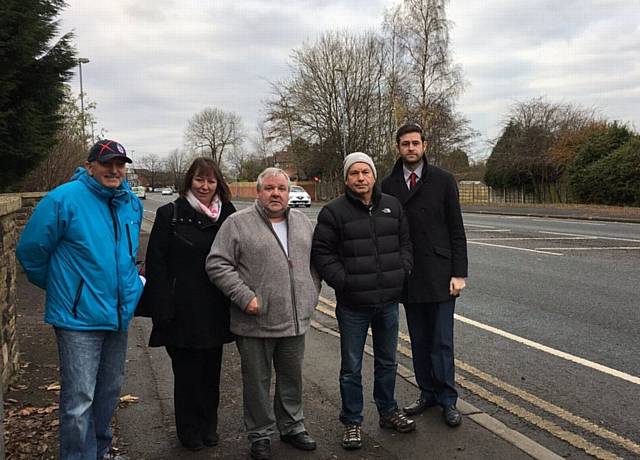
353, 323
196, 391
431, 331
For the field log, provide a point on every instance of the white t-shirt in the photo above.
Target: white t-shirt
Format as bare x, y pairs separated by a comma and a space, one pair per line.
281, 230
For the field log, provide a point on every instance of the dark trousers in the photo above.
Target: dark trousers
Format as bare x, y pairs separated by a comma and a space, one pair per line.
431, 331
196, 392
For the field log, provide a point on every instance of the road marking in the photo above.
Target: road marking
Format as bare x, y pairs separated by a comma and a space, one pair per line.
569, 221
593, 236
552, 408
568, 436
480, 226
496, 230
516, 248
151, 212
605, 248
552, 351
550, 238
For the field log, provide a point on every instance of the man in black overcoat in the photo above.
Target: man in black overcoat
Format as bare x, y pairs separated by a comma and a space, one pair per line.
430, 199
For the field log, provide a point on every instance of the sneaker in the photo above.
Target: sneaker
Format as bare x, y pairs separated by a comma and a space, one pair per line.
114, 456
397, 421
351, 437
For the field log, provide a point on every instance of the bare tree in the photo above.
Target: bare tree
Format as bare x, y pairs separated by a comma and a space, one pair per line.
154, 165
335, 100
215, 129
176, 165
426, 82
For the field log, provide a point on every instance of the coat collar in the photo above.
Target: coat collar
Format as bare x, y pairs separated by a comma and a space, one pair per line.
399, 184
375, 196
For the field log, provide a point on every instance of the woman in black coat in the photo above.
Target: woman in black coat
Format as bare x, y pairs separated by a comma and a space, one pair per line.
190, 315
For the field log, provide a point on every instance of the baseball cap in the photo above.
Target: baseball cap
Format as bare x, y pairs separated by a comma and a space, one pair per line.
105, 150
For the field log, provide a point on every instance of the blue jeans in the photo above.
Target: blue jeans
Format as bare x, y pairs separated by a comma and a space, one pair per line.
353, 323
91, 375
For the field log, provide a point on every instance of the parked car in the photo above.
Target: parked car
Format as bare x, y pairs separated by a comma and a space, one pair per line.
167, 191
298, 197
140, 191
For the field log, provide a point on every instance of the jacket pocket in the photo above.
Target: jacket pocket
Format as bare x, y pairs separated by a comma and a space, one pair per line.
76, 300
444, 252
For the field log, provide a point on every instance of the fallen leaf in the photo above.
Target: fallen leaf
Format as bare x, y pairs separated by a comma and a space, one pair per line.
10, 401
48, 410
18, 387
129, 399
27, 411
55, 386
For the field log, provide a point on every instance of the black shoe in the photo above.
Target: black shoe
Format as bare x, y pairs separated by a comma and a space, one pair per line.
452, 416
300, 440
192, 445
419, 406
211, 440
261, 449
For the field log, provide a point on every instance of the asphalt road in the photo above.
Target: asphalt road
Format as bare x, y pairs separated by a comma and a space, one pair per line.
547, 333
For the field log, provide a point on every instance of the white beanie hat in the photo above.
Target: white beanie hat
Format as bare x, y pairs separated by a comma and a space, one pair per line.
358, 157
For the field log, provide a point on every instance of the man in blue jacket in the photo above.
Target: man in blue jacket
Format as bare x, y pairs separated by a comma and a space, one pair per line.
80, 246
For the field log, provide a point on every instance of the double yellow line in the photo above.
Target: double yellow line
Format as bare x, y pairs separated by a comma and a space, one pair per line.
327, 307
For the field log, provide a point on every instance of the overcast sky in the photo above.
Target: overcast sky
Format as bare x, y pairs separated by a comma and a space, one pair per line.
156, 63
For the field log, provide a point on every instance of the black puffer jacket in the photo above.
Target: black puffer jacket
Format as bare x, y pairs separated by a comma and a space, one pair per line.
188, 310
364, 254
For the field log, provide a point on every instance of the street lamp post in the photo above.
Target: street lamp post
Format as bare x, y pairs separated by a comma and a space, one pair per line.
80, 62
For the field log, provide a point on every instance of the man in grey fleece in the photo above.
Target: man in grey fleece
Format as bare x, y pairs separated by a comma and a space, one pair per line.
260, 259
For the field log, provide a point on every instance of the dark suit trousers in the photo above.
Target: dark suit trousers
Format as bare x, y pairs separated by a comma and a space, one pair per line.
196, 391
431, 331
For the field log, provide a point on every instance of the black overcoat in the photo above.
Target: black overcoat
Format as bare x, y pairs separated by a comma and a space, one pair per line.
188, 311
437, 232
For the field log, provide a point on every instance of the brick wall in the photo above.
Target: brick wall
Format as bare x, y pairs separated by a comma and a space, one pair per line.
248, 189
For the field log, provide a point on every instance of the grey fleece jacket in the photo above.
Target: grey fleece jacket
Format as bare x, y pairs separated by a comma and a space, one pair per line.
247, 260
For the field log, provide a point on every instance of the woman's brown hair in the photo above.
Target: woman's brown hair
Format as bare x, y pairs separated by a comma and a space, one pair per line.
203, 166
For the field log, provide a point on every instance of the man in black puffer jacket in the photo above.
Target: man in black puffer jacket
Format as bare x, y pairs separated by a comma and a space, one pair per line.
362, 249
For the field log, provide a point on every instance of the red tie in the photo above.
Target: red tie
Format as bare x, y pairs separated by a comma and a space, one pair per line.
412, 180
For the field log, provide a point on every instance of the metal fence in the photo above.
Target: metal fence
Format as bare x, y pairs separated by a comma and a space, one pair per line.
479, 193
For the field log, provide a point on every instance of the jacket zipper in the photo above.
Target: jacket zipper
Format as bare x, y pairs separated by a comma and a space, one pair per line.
76, 301
115, 233
375, 244
290, 266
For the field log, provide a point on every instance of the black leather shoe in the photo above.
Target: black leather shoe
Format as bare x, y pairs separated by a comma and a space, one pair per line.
419, 406
300, 440
261, 449
211, 440
452, 416
192, 445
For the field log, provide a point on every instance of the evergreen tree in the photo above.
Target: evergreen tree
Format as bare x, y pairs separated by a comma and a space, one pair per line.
32, 74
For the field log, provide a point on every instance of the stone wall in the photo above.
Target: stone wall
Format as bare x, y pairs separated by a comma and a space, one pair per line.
15, 211
9, 206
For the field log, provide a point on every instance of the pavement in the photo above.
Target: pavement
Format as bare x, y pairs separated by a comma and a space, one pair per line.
145, 427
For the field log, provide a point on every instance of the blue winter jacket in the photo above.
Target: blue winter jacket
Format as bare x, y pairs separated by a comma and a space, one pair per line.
80, 246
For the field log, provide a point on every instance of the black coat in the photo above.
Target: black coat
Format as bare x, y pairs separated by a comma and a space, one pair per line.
188, 310
437, 231
363, 254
